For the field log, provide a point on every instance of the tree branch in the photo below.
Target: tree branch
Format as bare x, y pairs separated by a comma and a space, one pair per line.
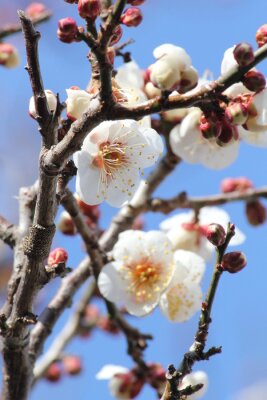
7, 232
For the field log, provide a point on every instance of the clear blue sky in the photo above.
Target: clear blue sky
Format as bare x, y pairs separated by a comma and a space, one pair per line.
205, 28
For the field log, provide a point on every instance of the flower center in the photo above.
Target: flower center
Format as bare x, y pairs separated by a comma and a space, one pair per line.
110, 157
145, 280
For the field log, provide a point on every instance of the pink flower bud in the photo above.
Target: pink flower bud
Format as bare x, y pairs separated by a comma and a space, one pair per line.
240, 184
126, 385
9, 56
66, 225
261, 35
234, 262
53, 374
72, 365
132, 17
254, 81
108, 325
255, 212
243, 54
236, 113
67, 30
91, 315
35, 10
90, 9
57, 257
156, 377
215, 234
135, 2
210, 128
116, 35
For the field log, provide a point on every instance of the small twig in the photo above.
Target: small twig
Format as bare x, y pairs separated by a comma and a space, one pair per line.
7, 232
15, 28
65, 336
183, 201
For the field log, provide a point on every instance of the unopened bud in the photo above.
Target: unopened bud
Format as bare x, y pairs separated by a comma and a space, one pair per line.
255, 212
57, 260
92, 212
116, 35
234, 262
156, 377
209, 128
125, 385
254, 81
243, 54
135, 2
108, 325
240, 184
189, 79
90, 9
9, 56
71, 1
53, 374
35, 10
151, 90
66, 225
236, 113
91, 315
132, 17
67, 30
215, 234
261, 35
72, 365
51, 101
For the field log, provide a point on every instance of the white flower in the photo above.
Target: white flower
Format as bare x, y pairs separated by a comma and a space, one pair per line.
111, 159
228, 60
183, 297
141, 271
193, 379
109, 370
172, 62
187, 142
78, 102
185, 234
51, 101
131, 82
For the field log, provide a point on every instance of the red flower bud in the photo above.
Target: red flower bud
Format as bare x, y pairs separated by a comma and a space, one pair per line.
236, 113
126, 385
132, 17
240, 184
234, 262
92, 212
53, 374
255, 212
135, 2
243, 54
261, 35
67, 30
72, 365
215, 234
90, 9
57, 259
35, 10
116, 35
254, 81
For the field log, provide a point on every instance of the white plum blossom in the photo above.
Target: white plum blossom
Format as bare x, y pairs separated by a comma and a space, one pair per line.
228, 60
187, 142
172, 62
130, 81
186, 234
193, 379
141, 271
183, 297
111, 159
51, 101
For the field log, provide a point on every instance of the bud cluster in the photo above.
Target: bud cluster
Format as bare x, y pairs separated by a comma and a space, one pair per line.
68, 365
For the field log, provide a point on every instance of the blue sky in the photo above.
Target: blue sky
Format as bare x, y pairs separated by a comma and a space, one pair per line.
205, 28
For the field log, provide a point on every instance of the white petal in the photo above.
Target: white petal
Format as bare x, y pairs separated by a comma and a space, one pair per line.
140, 309
220, 157
260, 102
258, 139
110, 283
210, 215
193, 263
239, 237
130, 246
176, 220
109, 370
130, 75
228, 60
181, 301
122, 187
78, 102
